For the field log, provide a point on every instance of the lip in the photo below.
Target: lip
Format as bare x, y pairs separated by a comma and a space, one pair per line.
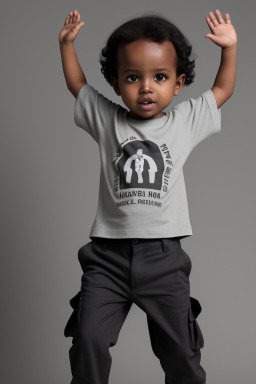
146, 107
146, 99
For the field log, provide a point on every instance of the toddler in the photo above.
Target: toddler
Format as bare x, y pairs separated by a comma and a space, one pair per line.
135, 254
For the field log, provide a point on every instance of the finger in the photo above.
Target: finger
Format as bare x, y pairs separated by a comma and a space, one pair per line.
77, 27
66, 20
80, 25
209, 35
212, 37
211, 25
70, 15
213, 19
75, 15
74, 18
220, 18
228, 18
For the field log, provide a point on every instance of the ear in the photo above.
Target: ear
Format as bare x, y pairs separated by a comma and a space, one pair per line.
114, 84
179, 84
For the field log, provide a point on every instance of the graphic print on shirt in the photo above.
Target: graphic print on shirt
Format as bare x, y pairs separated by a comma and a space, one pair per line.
142, 172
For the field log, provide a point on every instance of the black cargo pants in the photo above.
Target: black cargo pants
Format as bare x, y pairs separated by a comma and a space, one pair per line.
152, 273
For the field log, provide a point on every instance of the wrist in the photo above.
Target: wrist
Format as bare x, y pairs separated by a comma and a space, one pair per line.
231, 48
64, 44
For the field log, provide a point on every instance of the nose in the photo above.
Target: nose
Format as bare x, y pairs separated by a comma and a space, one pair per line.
146, 87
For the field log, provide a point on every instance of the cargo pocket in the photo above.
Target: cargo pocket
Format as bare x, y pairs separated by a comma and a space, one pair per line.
72, 326
195, 333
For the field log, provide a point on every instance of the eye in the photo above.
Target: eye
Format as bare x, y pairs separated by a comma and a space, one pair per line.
131, 76
162, 74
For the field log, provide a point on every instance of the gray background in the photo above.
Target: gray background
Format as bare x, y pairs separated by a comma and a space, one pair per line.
50, 177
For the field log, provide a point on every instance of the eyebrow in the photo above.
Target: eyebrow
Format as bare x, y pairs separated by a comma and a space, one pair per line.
137, 70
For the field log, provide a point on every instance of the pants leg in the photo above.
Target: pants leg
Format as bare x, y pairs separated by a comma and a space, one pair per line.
100, 309
164, 295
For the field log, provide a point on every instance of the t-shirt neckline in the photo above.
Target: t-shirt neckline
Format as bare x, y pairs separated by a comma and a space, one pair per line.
151, 122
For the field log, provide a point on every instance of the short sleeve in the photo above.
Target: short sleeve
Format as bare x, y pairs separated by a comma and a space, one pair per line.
201, 116
93, 112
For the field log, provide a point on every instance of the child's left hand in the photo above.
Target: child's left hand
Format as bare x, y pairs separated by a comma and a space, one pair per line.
224, 34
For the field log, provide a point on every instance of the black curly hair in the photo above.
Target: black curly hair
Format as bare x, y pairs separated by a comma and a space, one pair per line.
153, 27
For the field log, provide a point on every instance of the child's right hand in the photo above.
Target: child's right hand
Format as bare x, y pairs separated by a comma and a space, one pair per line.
71, 27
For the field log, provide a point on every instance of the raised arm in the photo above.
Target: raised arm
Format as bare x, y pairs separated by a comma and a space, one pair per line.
224, 35
73, 72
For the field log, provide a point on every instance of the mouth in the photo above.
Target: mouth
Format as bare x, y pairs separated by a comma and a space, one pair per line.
146, 106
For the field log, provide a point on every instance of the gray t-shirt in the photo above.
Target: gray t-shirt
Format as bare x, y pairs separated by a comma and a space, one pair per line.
142, 189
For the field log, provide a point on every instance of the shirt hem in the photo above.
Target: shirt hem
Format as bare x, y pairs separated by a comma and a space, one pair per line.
139, 233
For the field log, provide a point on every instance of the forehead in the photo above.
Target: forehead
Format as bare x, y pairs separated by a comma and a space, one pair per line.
145, 53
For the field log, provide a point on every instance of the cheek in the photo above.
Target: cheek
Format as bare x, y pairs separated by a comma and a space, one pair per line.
167, 93
128, 93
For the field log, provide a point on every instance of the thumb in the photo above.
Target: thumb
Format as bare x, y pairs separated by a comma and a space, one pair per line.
77, 27
211, 36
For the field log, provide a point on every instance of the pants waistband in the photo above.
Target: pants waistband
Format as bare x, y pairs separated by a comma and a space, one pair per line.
129, 241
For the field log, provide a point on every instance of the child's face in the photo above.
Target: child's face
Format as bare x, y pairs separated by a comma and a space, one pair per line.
147, 69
